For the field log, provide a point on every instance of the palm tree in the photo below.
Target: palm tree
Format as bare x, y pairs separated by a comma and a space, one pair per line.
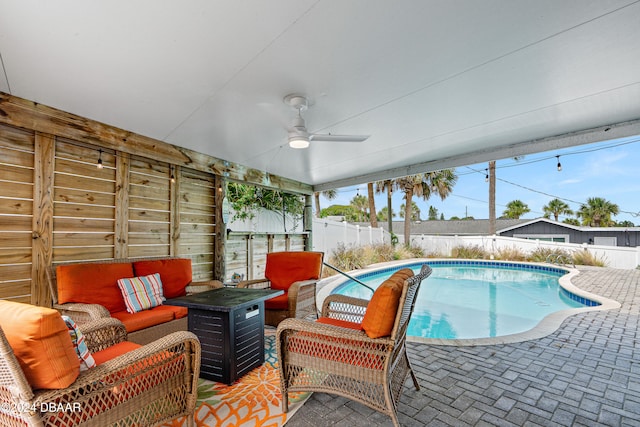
383, 214
597, 212
382, 186
415, 211
515, 209
360, 205
556, 207
372, 206
491, 172
329, 194
423, 185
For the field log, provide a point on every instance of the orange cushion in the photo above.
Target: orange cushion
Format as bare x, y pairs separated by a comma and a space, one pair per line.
41, 343
381, 311
114, 351
284, 268
143, 319
175, 274
93, 284
341, 323
281, 302
177, 312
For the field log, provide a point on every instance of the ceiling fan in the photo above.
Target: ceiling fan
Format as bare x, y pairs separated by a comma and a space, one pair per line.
299, 137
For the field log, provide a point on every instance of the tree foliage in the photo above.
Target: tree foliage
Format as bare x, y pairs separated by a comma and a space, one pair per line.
247, 200
556, 207
515, 209
597, 212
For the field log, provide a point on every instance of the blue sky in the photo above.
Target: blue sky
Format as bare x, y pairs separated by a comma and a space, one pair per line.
608, 169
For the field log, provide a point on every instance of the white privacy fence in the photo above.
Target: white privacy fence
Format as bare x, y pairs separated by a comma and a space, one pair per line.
614, 256
328, 235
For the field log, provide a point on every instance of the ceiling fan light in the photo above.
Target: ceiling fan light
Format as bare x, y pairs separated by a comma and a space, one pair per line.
298, 141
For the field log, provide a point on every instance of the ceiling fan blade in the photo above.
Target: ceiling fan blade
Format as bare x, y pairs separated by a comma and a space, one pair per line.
337, 138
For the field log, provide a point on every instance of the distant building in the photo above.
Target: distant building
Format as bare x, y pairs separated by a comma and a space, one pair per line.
536, 229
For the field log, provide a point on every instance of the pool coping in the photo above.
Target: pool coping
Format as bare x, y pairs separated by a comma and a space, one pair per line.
545, 327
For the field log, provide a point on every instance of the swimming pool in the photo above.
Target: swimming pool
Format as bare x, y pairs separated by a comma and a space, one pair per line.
464, 300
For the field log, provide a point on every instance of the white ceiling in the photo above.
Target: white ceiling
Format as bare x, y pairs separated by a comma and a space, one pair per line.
435, 83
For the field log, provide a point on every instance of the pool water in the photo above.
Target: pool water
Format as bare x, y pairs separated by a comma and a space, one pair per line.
464, 302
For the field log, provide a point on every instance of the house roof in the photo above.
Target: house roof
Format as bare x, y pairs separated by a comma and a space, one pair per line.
568, 226
451, 227
434, 83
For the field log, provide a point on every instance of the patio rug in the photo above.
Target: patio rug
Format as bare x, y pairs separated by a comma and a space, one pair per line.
253, 400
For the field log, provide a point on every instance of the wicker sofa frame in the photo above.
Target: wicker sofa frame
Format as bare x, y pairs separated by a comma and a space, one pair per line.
331, 359
82, 313
148, 386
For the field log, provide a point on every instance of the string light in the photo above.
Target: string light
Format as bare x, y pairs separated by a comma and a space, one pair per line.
486, 175
99, 164
559, 165
173, 177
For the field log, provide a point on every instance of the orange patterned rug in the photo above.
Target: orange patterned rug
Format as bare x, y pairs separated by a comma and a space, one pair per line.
253, 400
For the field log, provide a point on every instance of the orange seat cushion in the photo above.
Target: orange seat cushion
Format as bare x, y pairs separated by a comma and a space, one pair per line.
381, 311
41, 343
284, 268
175, 274
143, 319
93, 284
340, 323
177, 312
281, 302
114, 351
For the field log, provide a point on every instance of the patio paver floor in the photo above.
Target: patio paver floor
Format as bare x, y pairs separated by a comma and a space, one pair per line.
587, 373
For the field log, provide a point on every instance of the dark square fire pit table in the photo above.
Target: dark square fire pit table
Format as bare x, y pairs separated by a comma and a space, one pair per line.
230, 325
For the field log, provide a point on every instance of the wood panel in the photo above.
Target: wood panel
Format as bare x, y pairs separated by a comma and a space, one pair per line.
15, 207
197, 231
83, 202
17, 153
149, 207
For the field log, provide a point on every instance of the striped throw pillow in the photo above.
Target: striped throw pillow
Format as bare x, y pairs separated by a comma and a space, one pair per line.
77, 338
141, 293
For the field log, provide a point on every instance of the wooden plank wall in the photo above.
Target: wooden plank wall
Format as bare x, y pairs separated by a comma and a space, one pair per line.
197, 198
16, 212
246, 253
56, 206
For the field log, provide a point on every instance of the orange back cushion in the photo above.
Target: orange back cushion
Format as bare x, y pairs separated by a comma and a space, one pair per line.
284, 268
41, 343
93, 284
381, 311
175, 274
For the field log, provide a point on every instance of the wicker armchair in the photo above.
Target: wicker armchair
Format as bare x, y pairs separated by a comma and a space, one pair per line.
296, 273
345, 361
147, 386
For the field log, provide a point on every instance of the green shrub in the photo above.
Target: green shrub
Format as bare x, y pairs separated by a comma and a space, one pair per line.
585, 257
551, 255
469, 252
510, 254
